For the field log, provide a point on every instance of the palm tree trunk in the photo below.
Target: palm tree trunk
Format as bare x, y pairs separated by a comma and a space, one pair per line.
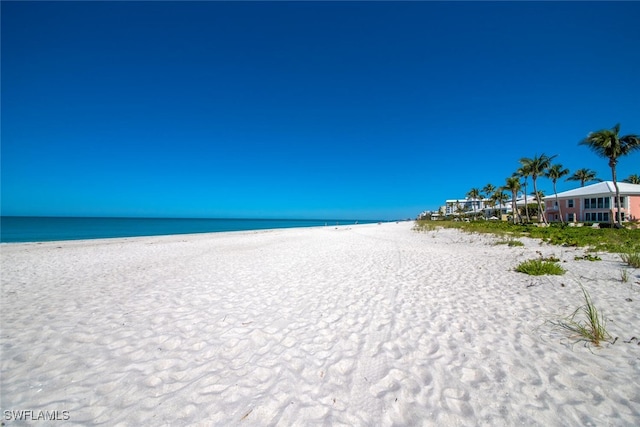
617, 213
515, 203
557, 202
514, 206
526, 204
540, 211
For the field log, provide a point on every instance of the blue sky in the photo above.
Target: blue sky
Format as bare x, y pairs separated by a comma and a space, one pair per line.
364, 110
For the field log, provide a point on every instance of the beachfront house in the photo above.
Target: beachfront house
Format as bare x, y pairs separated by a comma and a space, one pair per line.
477, 207
595, 203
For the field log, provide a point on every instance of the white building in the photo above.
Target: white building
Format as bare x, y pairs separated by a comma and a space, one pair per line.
469, 206
453, 207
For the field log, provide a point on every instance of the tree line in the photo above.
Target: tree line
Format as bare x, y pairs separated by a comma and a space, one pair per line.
606, 143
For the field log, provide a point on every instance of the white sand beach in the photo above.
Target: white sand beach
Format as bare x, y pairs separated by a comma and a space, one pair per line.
361, 325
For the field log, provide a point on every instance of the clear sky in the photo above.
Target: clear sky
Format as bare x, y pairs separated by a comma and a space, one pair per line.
363, 110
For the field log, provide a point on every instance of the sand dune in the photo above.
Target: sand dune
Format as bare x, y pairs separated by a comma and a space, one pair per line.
361, 325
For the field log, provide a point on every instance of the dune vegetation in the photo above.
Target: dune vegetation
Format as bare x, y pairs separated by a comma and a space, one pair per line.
623, 241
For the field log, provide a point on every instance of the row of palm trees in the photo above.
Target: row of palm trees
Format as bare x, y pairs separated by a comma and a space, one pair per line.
605, 143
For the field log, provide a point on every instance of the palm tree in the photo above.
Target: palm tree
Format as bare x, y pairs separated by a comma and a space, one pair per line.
513, 185
475, 195
491, 203
554, 173
524, 173
500, 198
537, 166
632, 179
488, 191
583, 175
460, 210
538, 197
609, 144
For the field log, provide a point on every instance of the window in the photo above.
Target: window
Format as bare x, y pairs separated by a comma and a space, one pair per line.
570, 204
571, 217
615, 201
593, 217
596, 203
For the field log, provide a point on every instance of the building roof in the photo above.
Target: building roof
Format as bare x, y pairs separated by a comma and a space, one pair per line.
604, 188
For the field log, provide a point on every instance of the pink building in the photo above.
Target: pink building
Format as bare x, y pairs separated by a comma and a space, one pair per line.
595, 203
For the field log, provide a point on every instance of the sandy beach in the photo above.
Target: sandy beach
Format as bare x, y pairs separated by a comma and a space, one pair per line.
361, 325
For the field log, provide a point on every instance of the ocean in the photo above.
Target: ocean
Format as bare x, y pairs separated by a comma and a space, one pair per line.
43, 229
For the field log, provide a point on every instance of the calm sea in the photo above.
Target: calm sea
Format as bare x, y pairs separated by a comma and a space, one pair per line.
41, 229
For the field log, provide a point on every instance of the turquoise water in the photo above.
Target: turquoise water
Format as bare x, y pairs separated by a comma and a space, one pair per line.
41, 229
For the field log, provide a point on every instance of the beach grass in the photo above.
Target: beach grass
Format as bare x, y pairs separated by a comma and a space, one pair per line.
540, 267
632, 259
592, 328
624, 275
425, 226
511, 242
612, 240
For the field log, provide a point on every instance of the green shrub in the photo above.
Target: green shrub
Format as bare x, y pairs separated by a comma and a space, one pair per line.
599, 239
539, 267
